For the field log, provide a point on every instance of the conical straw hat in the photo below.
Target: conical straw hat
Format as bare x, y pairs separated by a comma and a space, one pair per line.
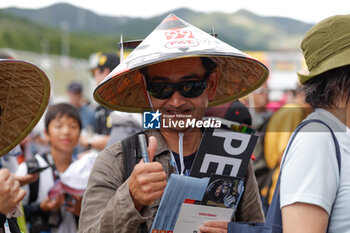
124, 89
24, 95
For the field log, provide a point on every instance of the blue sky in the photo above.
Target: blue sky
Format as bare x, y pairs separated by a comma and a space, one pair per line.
310, 11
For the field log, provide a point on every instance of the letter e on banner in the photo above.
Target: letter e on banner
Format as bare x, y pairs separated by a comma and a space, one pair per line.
222, 162
244, 138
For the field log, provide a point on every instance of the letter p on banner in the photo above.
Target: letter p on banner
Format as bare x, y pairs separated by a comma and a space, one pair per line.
229, 137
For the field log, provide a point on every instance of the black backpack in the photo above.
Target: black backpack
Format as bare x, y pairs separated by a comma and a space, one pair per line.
32, 165
12, 224
132, 155
40, 222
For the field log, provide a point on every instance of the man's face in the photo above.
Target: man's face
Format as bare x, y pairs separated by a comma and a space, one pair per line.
261, 97
100, 75
187, 69
75, 99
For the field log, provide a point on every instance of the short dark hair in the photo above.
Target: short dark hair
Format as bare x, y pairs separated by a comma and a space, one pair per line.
208, 64
60, 110
327, 89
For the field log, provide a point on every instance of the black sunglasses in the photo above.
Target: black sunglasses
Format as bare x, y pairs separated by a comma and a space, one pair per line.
188, 89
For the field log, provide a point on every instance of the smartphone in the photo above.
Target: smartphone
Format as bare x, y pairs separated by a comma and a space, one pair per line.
68, 198
37, 169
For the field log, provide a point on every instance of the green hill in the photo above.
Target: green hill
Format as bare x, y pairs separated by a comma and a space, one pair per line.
22, 34
40, 30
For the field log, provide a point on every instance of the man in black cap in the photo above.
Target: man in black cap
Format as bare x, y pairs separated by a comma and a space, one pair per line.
101, 65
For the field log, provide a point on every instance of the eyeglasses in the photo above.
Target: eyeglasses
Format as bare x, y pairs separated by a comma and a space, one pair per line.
188, 89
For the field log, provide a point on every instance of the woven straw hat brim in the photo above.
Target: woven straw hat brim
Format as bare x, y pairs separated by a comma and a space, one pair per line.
338, 60
24, 95
239, 76
124, 88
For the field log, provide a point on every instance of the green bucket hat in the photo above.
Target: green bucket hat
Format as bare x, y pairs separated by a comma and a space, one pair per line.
326, 46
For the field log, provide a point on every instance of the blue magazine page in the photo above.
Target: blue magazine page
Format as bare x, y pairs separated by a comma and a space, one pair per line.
177, 190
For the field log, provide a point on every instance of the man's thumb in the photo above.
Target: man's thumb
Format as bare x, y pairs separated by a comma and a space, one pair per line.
152, 147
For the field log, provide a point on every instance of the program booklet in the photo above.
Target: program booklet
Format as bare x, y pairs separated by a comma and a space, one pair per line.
215, 184
178, 189
193, 215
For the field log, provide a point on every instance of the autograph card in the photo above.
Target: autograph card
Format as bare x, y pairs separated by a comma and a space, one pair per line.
191, 216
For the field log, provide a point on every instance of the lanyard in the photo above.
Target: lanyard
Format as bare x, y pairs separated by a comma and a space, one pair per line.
173, 162
6, 227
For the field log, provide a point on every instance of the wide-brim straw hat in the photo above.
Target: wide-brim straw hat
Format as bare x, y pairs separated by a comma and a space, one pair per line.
124, 88
24, 95
326, 46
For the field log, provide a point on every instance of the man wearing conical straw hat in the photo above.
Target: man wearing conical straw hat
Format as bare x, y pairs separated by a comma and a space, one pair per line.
24, 95
178, 71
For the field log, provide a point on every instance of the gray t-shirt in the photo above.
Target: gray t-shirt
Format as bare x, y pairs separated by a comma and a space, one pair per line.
310, 172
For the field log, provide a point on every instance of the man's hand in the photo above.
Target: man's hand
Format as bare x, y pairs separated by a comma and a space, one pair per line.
148, 180
74, 204
214, 227
27, 179
49, 204
10, 192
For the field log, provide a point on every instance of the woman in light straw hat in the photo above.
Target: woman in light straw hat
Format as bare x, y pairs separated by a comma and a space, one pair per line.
315, 190
24, 95
178, 71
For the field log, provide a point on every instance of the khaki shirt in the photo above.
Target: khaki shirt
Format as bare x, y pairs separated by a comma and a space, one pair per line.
107, 204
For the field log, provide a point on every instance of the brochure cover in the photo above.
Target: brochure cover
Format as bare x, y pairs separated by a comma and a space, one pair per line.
192, 216
223, 152
224, 191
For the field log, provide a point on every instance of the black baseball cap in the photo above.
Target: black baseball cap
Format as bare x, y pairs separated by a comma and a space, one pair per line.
233, 111
104, 60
